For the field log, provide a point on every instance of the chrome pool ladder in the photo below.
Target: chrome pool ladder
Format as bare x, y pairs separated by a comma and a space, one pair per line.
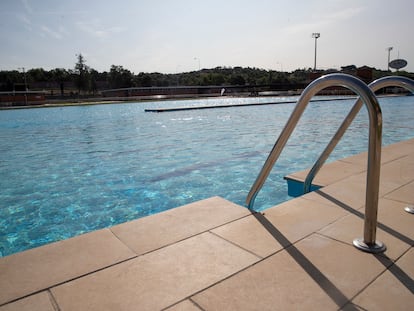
376, 85
366, 95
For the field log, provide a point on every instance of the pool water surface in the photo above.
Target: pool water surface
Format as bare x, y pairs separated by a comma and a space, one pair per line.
70, 170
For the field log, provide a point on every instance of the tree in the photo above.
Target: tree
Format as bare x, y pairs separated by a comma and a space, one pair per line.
144, 79
60, 76
37, 75
9, 78
93, 77
299, 75
120, 77
82, 71
237, 79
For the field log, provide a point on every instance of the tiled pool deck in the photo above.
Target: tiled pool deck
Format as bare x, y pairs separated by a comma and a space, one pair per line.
216, 255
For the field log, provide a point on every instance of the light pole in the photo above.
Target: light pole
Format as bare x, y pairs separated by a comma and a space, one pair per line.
281, 66
315, 35
196, 58
389, 51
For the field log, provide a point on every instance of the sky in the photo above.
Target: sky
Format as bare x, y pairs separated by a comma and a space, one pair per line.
171, 36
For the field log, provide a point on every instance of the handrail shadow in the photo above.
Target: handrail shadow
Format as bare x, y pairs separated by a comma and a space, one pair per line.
380, 225
324, 283
403, 277
398, 273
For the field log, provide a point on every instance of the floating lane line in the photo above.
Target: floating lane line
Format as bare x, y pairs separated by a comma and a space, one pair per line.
181, 108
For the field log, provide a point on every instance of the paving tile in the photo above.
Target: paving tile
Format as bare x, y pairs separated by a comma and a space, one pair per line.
331, 172
349, 192
39, 302
391, 220
186, 305
323, 197
294, 219
393, 290
250, 234
396, 171
277, 283
349, 269
360, 159
158, 279
396, 174
405, 263
352, 307
297, 218
42, 267
408, 141
399, 149
386, 157
400, 223
389, 153
403, 194
150, 233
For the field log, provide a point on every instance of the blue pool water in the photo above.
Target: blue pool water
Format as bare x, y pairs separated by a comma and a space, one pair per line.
70, 170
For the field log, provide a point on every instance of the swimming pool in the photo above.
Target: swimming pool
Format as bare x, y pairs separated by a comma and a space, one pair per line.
70, 170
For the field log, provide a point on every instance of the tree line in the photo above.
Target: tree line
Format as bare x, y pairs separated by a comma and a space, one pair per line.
86, 80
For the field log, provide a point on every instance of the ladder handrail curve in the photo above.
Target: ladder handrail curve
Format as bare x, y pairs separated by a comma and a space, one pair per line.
313, 88
374, 147
376, 85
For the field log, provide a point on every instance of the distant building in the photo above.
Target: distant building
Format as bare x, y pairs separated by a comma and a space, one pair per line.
351, 70
364, 73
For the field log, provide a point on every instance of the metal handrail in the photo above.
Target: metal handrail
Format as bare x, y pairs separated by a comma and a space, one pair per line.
374, 86
369, 243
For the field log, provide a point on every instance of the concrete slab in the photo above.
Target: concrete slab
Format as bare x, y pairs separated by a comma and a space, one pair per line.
317, 273
388, 231
39, 302
279, 282
393, 290
349, 192
37, 269
403, 194
396, 150
158, 279
396, 174
249, 234
186, 305
330, 172
389, 153
394, 220
347, 268
150, 233
295, 219
298, 218
352, 307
